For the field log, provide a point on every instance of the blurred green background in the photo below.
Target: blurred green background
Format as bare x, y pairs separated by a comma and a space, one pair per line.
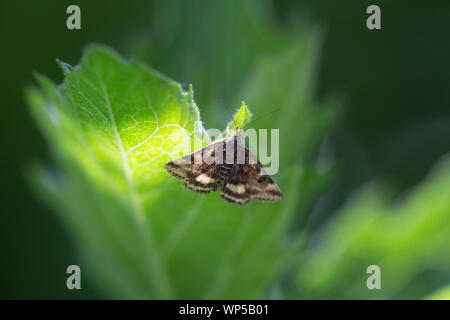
394, 125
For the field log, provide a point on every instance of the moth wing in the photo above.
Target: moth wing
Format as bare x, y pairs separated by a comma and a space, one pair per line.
198, 169
264, 188
250, 182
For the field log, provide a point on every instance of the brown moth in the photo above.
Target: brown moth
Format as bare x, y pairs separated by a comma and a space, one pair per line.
228, 165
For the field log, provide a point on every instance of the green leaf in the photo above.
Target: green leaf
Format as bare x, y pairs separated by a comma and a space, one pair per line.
240, 119
406, 240
111, 126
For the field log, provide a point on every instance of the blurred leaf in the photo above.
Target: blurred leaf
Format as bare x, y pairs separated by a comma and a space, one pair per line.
286, 81
240, 119
112, 125
406, 240
441, 294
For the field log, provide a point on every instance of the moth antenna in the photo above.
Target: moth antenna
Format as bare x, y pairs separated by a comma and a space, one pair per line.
262, 116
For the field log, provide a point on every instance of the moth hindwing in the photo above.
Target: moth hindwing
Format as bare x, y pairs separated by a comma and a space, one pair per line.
228, 165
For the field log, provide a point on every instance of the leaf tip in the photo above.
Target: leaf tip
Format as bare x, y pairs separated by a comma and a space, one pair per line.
240, 119
65, 67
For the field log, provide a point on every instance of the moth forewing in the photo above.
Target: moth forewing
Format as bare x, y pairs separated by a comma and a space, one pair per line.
240, 153
230, 151
214, 154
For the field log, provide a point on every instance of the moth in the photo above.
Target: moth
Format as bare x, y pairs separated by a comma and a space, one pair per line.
228, 165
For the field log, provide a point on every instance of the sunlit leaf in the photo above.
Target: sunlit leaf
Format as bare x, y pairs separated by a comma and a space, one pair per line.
111, 126
240, 119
